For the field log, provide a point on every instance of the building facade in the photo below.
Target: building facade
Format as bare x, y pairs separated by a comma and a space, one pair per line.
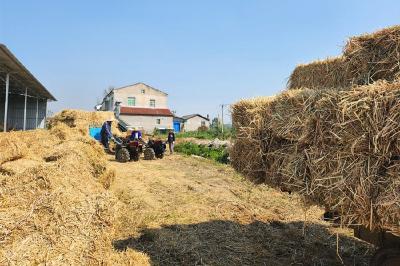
23, 99
140, 106
194, 122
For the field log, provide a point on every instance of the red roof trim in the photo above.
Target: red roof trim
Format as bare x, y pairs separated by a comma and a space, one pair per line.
145, 111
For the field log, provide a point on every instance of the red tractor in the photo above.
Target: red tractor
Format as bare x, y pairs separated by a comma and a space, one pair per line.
130, 150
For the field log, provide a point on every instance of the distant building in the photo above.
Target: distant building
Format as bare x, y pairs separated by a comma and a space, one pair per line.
23, 99
194, 121
178, 123
141, 106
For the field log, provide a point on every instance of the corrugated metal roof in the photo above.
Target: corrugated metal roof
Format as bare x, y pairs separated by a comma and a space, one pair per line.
20, 76
145, 111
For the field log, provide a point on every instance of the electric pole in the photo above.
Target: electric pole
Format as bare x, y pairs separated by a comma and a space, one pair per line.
222, 117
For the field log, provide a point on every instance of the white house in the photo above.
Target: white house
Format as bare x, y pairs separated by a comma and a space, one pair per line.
140, 105
194, 121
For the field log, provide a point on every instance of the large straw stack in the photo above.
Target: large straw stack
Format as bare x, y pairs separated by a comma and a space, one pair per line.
55, 206
338, 149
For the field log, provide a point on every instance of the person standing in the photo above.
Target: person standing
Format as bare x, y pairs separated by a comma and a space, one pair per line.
106, 134
171, 141
136, 135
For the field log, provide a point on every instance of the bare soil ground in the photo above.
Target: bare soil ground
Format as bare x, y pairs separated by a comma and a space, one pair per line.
191, 211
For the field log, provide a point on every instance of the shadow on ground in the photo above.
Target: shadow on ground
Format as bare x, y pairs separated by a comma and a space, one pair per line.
228, 243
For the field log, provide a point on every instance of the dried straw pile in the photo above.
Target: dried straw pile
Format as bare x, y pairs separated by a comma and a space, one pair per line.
330, 73
366, 59
339, 149
374, 56
55, 206
80, 121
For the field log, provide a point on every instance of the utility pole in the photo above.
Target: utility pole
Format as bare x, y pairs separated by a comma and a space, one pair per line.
222, 116
222, 119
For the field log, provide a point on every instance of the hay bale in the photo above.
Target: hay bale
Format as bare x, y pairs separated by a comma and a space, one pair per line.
344, 154
246, 152
289, 113
267, 131
374, 56
364, 120
331, 73
366, 58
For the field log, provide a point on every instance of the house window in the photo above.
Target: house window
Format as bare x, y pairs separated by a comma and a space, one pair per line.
158, 121
131, 101
203, 123
142, 91
152, 103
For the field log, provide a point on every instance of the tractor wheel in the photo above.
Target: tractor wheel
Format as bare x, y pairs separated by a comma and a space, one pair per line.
149, 154
136, 156
386, 257
123, 155
111, 147
160, 155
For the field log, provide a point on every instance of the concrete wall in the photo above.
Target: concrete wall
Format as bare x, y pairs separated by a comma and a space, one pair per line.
194, 123
142, 99
16, 112
148, 123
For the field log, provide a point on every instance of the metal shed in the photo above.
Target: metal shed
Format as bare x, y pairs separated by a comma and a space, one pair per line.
23, 99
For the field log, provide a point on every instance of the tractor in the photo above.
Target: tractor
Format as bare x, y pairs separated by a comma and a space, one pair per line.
154, 148
129, 150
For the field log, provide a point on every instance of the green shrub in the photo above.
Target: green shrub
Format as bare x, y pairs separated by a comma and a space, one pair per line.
217, 154
207, 134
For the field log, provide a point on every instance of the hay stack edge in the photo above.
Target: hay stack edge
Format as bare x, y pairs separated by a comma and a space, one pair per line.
366, 58
54, 198
337, 142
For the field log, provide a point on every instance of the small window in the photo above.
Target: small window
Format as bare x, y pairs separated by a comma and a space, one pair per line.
131, 101
143, 91
152, 103
203, 123
158, 121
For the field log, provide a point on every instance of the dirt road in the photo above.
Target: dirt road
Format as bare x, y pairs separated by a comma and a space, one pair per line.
190, 211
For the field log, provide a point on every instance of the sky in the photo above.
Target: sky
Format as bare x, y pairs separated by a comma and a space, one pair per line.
202, 53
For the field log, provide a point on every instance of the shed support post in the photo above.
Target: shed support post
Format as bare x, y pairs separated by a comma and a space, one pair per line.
45, 115
6, 102
26, 98
37, 112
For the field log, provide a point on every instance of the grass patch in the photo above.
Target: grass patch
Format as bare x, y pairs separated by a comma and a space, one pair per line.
217, 154
201, 134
